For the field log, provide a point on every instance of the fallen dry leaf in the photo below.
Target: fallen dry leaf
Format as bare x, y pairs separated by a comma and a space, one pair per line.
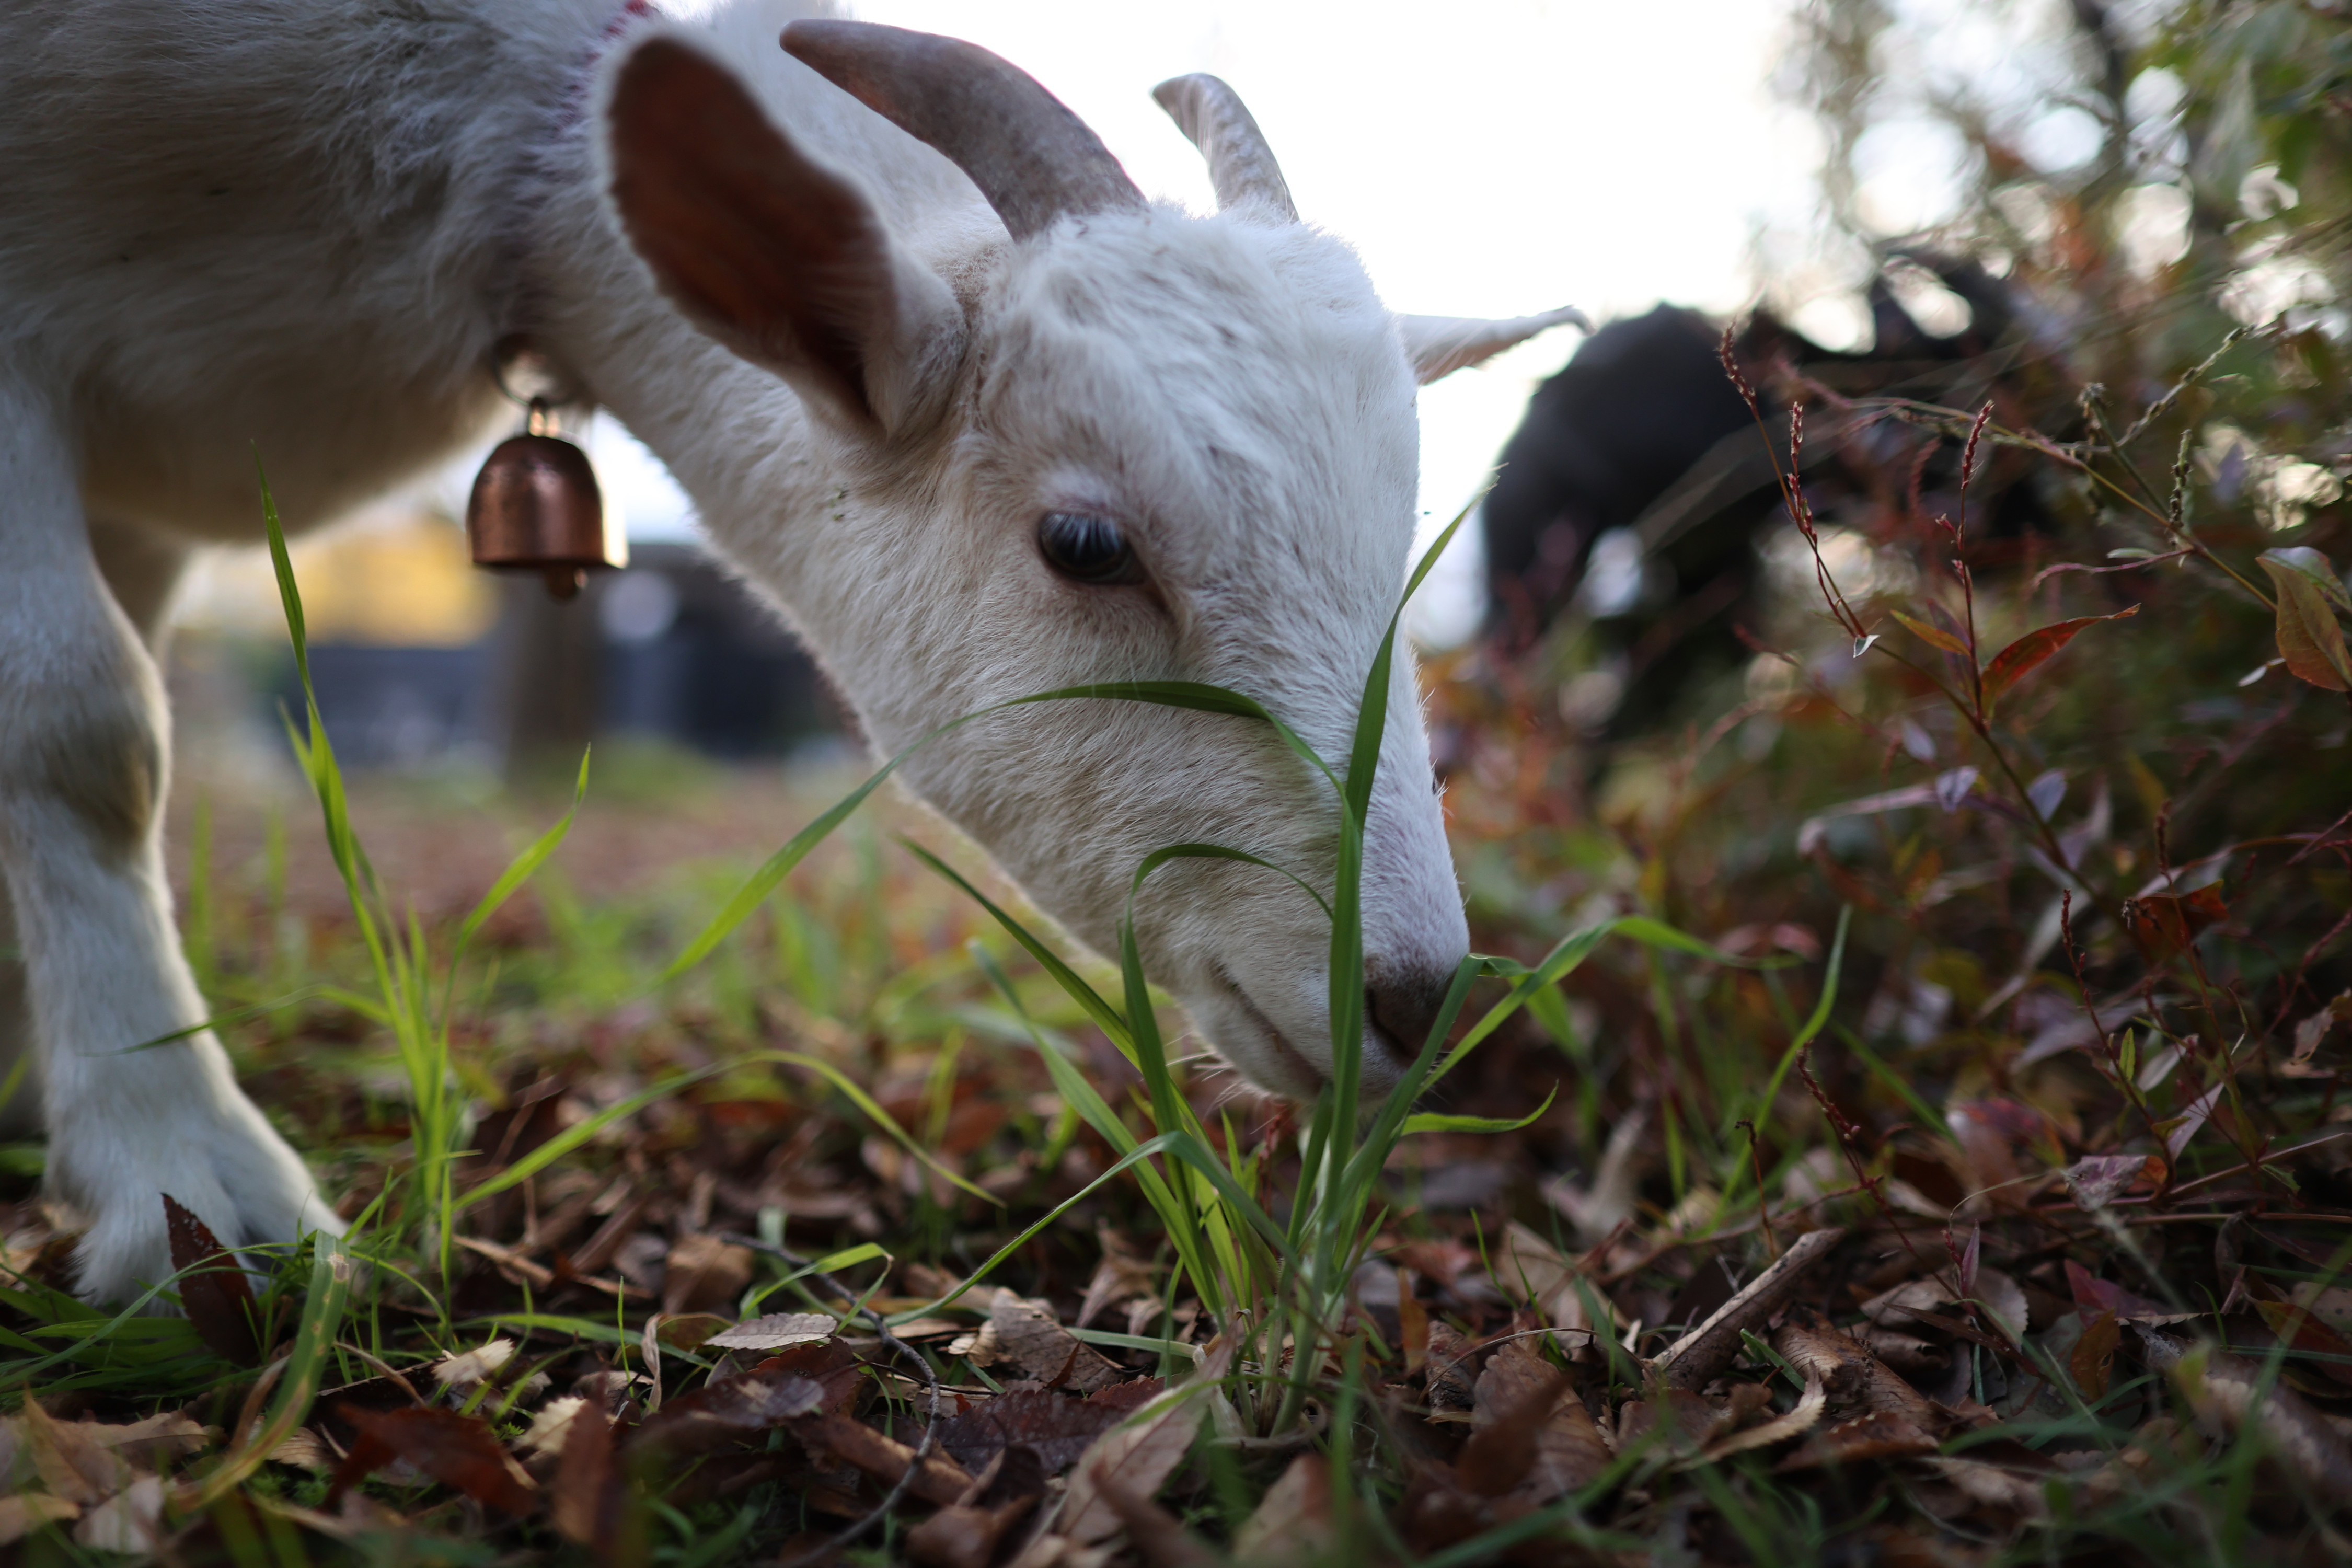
2093, 1295
1598, 1210
551, 1426
1530, 1438
1902, 1307
1881, 1435
723, 1413
1528, 1268
72, 1463
1050, 1551
468, 1370
460, 1451
1853, 1376
1154, 1535
2330, 1356
304, 1449
704, 1274
1138, 1454
775, 1332
1675, 1420
1800, 1420
2101, 1179
585, 1497
1121, 1277
2094, 1357
167, 1435
1292, 1522
1057, 1427
964, 1536
27, 1511
1449, 1375
1028, 1334
937, 1480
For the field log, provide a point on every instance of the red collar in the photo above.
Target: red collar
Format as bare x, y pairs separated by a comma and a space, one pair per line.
629, 13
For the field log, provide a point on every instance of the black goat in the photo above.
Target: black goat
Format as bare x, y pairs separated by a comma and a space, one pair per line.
1638, 483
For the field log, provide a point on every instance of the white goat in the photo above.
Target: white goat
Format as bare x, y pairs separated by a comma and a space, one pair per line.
980, 419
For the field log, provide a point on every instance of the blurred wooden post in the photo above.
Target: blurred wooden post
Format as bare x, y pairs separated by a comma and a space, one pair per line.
546, 670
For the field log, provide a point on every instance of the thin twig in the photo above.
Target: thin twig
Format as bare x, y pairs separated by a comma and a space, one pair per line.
1708, 1349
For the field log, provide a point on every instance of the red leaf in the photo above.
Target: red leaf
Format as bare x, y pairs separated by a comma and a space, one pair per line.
2164, 923
2308, 637
2094, 1297
2022, 657
457, 1451
218, 1301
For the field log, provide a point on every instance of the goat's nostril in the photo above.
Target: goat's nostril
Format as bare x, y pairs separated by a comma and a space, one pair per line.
1404, 1012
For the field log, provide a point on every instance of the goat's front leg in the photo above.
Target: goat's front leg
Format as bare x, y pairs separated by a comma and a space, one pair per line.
83, 752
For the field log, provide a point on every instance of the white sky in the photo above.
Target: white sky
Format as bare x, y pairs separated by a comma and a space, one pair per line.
1486, 157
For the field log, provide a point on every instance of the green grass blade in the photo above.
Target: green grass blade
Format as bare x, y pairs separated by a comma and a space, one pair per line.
1134, 1156
1073, 1086
754, 892
874, 1113
217, 1021
520, 869
556, 1323
1169, 1112
288, 594
1570, 951
1158, 858
1427, 1123
1386, 1128
331, 1272
1107, 1018
1083, 1097
1930, 1119
579, 1133
1813, 1026
1191, 694
1194, 1152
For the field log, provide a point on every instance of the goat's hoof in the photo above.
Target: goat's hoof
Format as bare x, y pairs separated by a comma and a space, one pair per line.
255, 1200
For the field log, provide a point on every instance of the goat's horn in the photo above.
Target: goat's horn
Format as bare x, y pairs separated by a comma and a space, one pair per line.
1241, 165
1031, 157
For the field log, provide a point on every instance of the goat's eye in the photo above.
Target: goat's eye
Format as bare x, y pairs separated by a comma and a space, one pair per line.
1086, 549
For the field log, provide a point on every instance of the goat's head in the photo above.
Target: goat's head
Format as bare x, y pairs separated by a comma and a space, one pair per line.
1104, 441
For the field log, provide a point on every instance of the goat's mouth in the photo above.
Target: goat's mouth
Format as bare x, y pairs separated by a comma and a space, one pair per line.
1274, 1057
1280, 1066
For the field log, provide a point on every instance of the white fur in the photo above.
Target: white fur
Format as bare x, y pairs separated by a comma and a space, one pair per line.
302, 223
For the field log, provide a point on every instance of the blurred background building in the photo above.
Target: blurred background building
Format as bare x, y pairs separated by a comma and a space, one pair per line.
422, 662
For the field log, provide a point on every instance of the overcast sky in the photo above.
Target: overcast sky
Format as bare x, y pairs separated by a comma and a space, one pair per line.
1486, 157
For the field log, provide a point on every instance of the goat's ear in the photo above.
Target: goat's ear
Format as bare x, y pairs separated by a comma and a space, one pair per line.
777, 257
1440, 345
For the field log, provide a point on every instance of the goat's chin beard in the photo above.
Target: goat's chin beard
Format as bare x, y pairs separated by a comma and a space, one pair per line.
1255, 1047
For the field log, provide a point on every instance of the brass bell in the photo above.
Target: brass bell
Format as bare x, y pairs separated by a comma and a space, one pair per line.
536, 506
